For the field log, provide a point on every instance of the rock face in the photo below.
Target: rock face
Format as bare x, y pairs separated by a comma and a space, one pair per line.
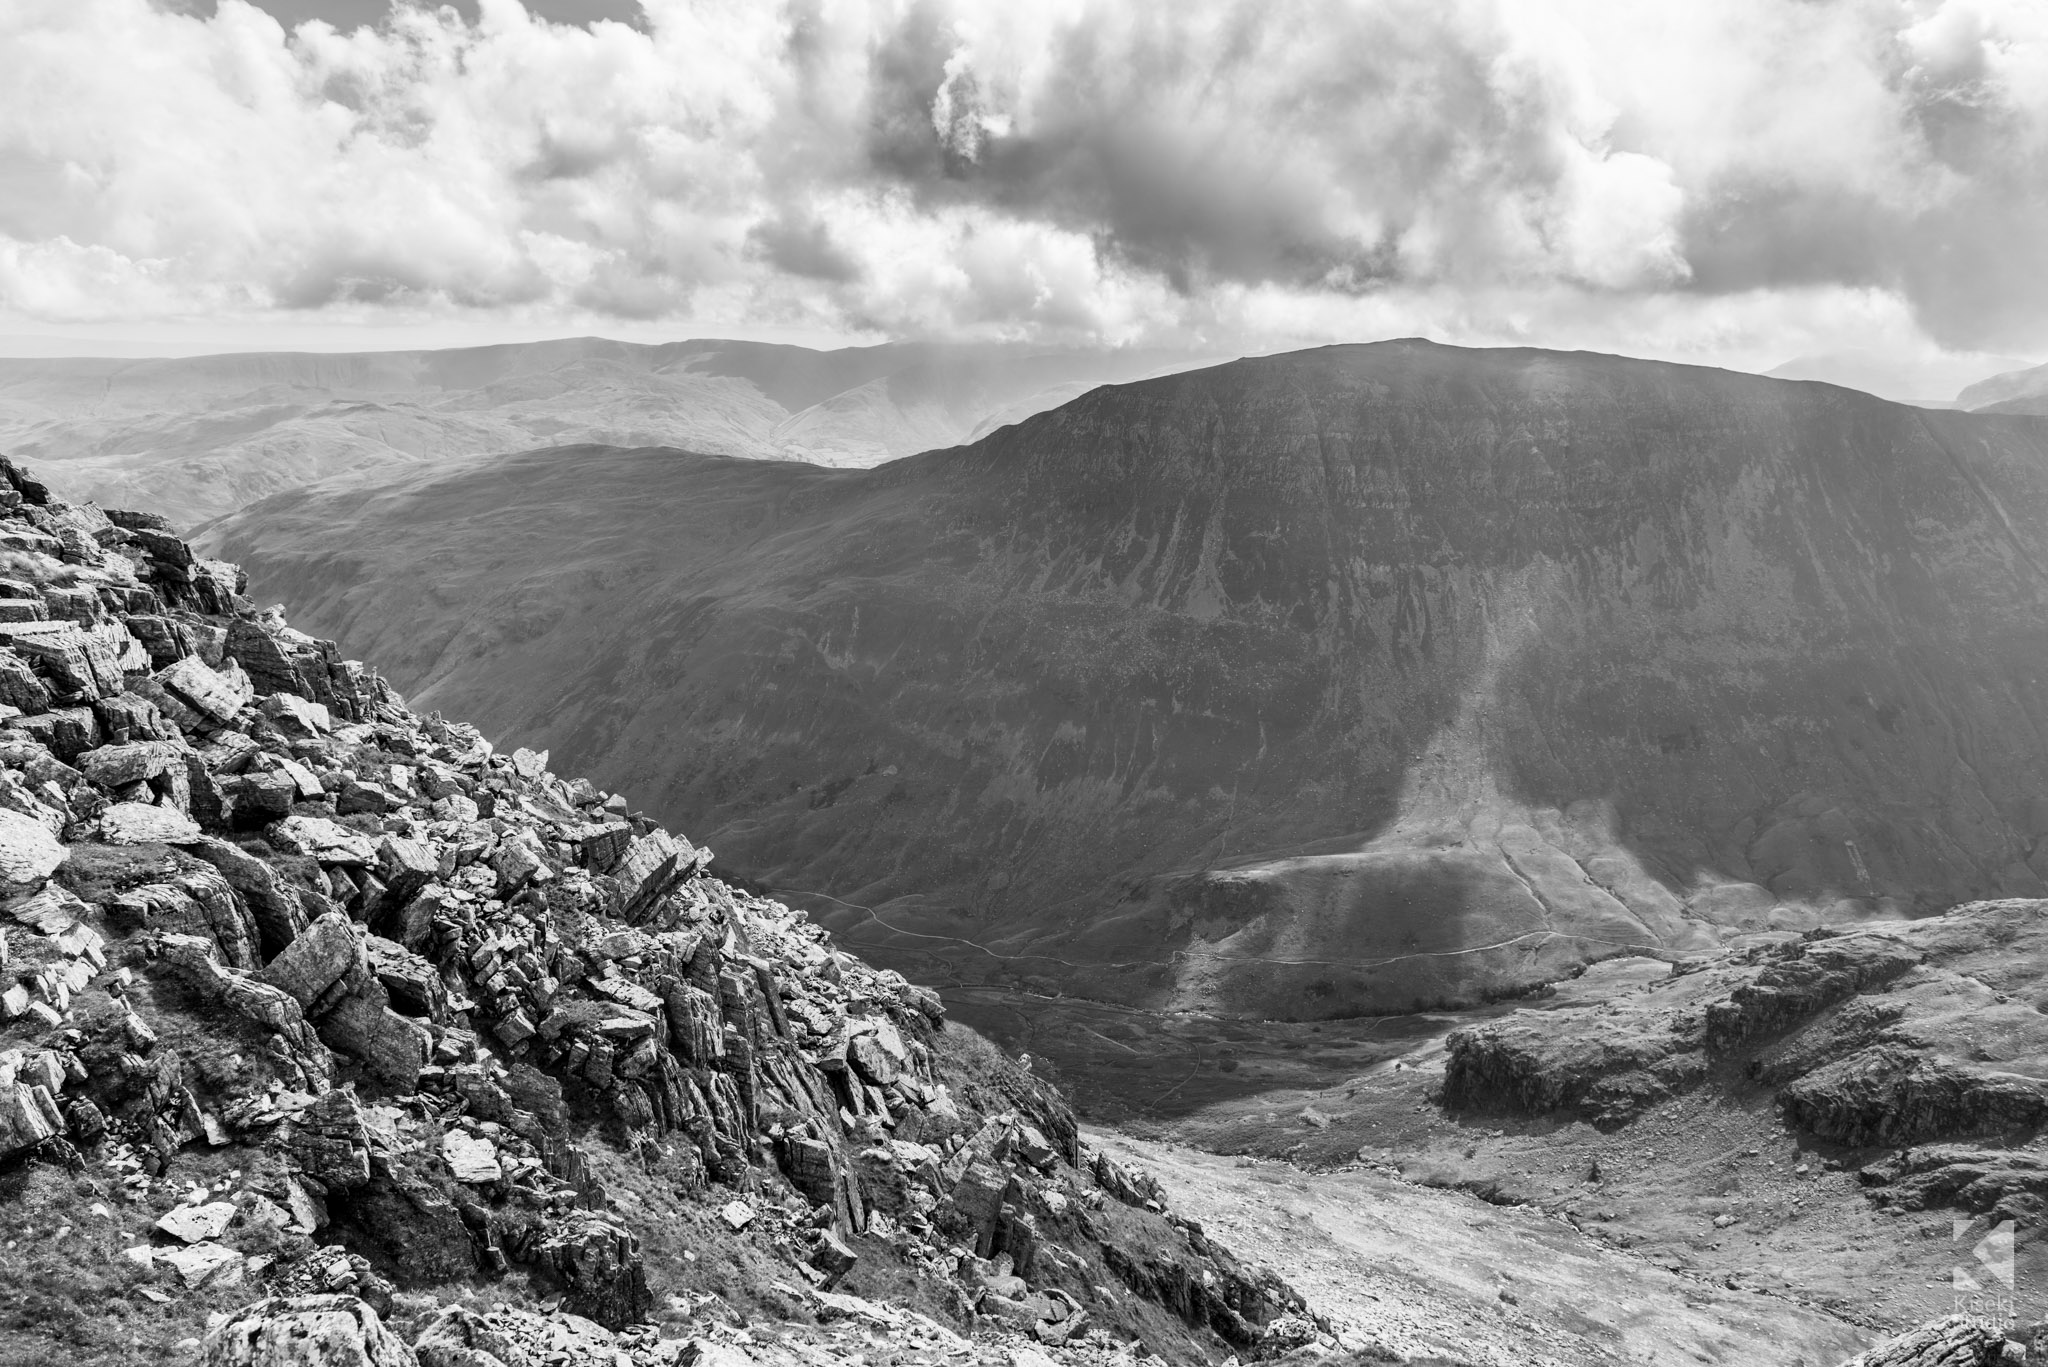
395, 1017
1919, 1046
1335, 681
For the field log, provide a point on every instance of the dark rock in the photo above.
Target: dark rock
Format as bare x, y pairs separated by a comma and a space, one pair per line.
598, 1266
832, 1257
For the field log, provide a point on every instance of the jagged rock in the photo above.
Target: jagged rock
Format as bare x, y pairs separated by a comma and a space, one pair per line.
79, 664
196, 1224
214, 696
409, 1211
1892, 1095
279, 915
67, 732
306, 1331
330, 1143
360, 796
323, 964
812, 1171
19, 687
470, 1158
197, 903
1952, 1342
598, 1266
977, 1203
29, 853
136, 823
328, 841
458, 1336
294, 716
28, 1117
203, 1264
832, 1257
392, 1047
117, 766
413, 984
508, 955
261, 798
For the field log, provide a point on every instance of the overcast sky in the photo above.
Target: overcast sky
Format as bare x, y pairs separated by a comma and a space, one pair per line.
1740, 181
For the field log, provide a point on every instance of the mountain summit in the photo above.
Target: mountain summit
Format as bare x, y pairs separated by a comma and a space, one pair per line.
1350, 679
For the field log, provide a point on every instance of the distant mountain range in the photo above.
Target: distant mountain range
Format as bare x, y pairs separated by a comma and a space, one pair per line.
1343, 680
2017, 391
200, 436
1927, 382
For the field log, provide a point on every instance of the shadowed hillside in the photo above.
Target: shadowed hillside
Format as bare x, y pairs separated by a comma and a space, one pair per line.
1305, 685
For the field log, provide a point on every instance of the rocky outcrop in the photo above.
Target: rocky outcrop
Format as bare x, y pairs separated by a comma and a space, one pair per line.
1892, 1035
413, 980
1952, 1342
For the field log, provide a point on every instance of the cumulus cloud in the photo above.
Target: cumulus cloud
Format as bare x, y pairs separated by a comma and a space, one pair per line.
1214, 170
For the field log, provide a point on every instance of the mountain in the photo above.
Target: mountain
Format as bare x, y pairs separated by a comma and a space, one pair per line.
2016, 391
319, 1017
1928, 381
1346, 680
197, 437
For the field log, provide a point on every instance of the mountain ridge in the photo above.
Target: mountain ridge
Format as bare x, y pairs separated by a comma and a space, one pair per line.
1478, 648
199, 436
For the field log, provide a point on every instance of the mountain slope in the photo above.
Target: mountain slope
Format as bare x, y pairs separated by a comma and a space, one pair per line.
304, 996
200, 436
1304, 685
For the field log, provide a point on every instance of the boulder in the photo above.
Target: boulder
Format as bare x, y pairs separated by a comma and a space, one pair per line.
330, 1142
19, 687
598, 1267
260, 798
471, 1158
67, 732
140, 823
279, 915
28, 1116
215, 695
28, 852
306, 1331
203, 1264
295, 717
197, 1224
413, 985
330, 842
116, 766
391, 1046
324, 963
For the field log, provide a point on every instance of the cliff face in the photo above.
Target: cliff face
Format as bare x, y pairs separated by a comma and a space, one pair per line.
329, 1001
1309, 684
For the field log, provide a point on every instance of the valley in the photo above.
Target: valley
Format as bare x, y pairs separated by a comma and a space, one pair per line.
1493, 875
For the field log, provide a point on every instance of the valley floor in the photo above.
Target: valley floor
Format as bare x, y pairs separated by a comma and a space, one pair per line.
1704, 1231
1442, 1274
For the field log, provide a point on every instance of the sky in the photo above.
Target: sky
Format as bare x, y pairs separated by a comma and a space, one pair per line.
1738, 182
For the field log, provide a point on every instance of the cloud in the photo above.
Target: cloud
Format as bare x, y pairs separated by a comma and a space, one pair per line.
1747, 174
